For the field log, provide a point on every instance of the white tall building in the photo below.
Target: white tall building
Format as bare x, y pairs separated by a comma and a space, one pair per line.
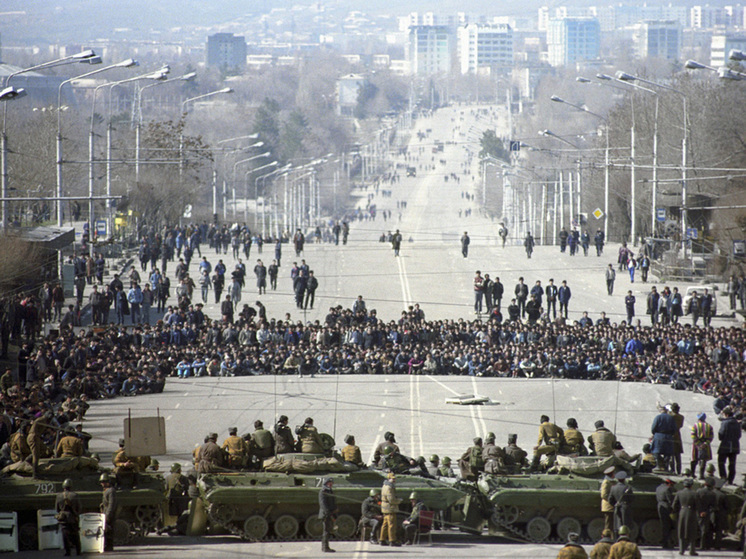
572, 40
657, 39
484, 46
430, 48
722, 44
707, 17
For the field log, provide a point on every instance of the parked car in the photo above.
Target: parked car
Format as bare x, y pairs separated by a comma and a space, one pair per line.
700, 289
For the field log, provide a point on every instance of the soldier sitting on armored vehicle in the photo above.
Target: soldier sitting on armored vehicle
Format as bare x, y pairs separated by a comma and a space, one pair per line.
393, 461
574, 441
471, 461
261, 443
493, 456
619, 452
70, 446
648, 462
389, 439
515, 457
551, 439
309, 439
19, 448
126, 467
211, 457
235, 450
351, 452
601, 441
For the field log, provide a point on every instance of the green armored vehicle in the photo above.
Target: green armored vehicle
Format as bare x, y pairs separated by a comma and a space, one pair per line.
139, 508
284, 505
547, 507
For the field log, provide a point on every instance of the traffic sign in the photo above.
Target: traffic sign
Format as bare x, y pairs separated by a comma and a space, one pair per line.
597, 213
692, 233
660, 214
101, 229
515, 145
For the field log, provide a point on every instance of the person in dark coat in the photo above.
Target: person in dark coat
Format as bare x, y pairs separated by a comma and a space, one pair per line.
663, 429
706, 512
621, 497
729, 435
685, 505
327, 512
109, 508
68, 510
284, 441
664, 496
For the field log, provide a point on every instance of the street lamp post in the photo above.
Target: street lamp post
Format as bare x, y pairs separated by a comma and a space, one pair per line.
606, 160
124, 64
7, 93
684, 142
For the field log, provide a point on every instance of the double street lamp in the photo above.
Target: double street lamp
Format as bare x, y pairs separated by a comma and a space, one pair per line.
128, 63
557, 99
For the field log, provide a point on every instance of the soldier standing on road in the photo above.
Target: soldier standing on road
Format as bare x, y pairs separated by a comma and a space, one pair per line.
327, 513
176, 493
389, 508
685, 505
621, 497
284, 441
624, 548
371, 514
702, 435
610, 278
68, 509
109, 509
706, 512
603, 546
465, 240
607, 509
664, 497
572, 549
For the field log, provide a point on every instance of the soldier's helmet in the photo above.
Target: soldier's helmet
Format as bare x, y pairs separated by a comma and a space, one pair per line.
67, 484
446, 461
104, 478
388, 449
413, 496
623, 531
434, 458
490, 438
374, 492
176, 467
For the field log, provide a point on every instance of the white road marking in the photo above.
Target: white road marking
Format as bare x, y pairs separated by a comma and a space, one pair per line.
479, 408
436, 381
169, 417
412, 413
375, 444
177, 406
419, 417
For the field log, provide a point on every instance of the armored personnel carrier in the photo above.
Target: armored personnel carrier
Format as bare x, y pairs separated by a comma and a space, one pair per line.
139, 507
284, 505
547, 507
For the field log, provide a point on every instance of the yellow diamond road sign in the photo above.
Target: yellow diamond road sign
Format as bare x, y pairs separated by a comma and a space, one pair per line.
597, 213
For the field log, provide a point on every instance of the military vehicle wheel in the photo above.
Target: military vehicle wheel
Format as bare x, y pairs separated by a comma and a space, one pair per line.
147, 516
651, 531
346, 526
538, 529
28, 537
255, 528
222, 514
634, 531
314, 527
505, 514
567, 525
595, 527
122, 532
286, 527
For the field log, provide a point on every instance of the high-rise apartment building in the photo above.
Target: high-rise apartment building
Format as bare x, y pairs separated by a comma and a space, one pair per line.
430, 48
484, 46
572, 40
225, 50
657, 39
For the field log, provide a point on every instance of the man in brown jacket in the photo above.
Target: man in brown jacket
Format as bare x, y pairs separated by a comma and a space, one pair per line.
69, 446
551, 439
607, 509
389, 508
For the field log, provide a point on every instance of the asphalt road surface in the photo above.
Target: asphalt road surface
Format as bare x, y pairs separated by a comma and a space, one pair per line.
432, 272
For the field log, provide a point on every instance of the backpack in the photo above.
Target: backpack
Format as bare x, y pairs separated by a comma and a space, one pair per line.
475, 458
